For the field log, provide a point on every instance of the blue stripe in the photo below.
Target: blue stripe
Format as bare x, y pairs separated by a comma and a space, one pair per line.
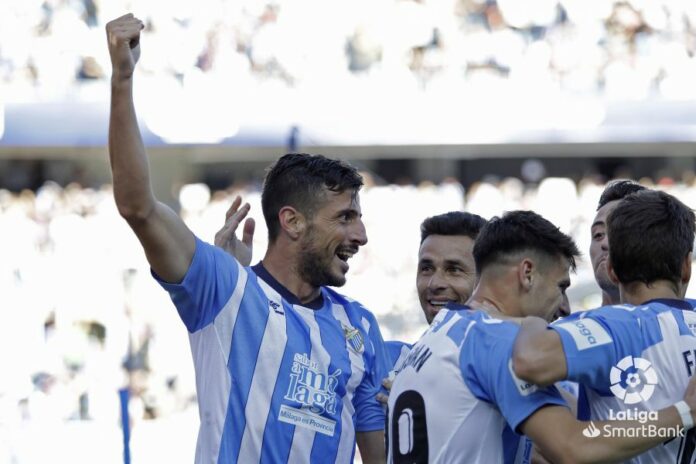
583, 407
450, 314
652, 335
511, 442
246, 343
458, 330
681, 322
325, 448
277, 436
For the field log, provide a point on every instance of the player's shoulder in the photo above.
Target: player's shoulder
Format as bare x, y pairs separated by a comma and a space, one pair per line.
648, 310
608, 312
397, 345
397, 350
350, 305
474, 324
211, 253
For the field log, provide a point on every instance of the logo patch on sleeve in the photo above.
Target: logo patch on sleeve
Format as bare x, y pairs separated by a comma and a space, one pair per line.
586, 333
525, 388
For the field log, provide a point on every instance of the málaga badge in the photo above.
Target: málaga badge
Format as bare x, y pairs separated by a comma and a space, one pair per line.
354, 339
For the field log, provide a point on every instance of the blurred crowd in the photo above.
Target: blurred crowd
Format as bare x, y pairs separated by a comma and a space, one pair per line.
633, 49
82, 317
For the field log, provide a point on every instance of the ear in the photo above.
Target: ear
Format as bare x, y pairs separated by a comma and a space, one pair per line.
292, 222
610, 272
686, 268
525, 273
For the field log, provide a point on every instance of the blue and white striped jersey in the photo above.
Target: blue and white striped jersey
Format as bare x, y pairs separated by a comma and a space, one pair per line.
455, 393
396, 351
277, 382
633, 358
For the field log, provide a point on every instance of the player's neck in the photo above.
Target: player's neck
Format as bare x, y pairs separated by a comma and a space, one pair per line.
285, 270
637, 293
488, 301
610, 298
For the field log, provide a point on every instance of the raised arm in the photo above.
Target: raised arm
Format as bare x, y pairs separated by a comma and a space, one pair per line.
169, 245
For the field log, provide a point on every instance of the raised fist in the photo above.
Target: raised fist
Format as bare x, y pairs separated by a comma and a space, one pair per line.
123, 36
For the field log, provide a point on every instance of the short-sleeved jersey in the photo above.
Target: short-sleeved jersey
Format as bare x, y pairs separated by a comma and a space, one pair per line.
277, 382
455, 393
632, 358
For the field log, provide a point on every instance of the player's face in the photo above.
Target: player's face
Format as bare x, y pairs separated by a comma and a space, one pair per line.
599, 247
446, 272
333, 236
563, 309
547, 297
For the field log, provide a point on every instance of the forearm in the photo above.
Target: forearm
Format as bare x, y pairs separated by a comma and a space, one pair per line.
562, 439
371, 446
621, 440
538, 355
129, 164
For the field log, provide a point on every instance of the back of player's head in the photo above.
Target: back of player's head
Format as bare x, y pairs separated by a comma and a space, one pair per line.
301, 180
650, 234
452, 223
618, 189
521, 231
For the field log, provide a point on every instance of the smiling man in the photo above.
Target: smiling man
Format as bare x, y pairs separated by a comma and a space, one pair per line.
455, 397
446, 268
287, 370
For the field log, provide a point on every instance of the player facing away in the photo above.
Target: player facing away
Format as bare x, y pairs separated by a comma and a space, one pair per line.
287, 370
456, 391
639, 355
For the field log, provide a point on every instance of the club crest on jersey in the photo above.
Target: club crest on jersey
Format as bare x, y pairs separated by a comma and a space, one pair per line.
354, 338
312, 386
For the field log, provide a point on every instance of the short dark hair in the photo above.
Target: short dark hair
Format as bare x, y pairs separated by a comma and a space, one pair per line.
650, 234
518, 231
618, 189
299, 180
452, 223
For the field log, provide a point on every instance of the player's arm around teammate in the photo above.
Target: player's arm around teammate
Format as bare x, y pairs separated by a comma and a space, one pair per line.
560, 436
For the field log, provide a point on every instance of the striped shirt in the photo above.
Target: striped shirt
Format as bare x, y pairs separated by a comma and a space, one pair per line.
277, 382
455, 393
635, 359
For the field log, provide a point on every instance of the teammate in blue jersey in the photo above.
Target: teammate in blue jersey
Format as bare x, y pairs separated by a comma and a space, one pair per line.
455, 392
287, 370
446, 270
447, 274
599, 243
638, 356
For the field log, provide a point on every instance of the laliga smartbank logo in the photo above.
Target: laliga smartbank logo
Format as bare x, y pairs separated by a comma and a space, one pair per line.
633, 380
591, 431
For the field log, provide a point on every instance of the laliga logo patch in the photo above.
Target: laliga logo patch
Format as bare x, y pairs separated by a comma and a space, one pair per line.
354, 338
633, 380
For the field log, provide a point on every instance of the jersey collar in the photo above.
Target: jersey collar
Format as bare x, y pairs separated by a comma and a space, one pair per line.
673, 302
288, 296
